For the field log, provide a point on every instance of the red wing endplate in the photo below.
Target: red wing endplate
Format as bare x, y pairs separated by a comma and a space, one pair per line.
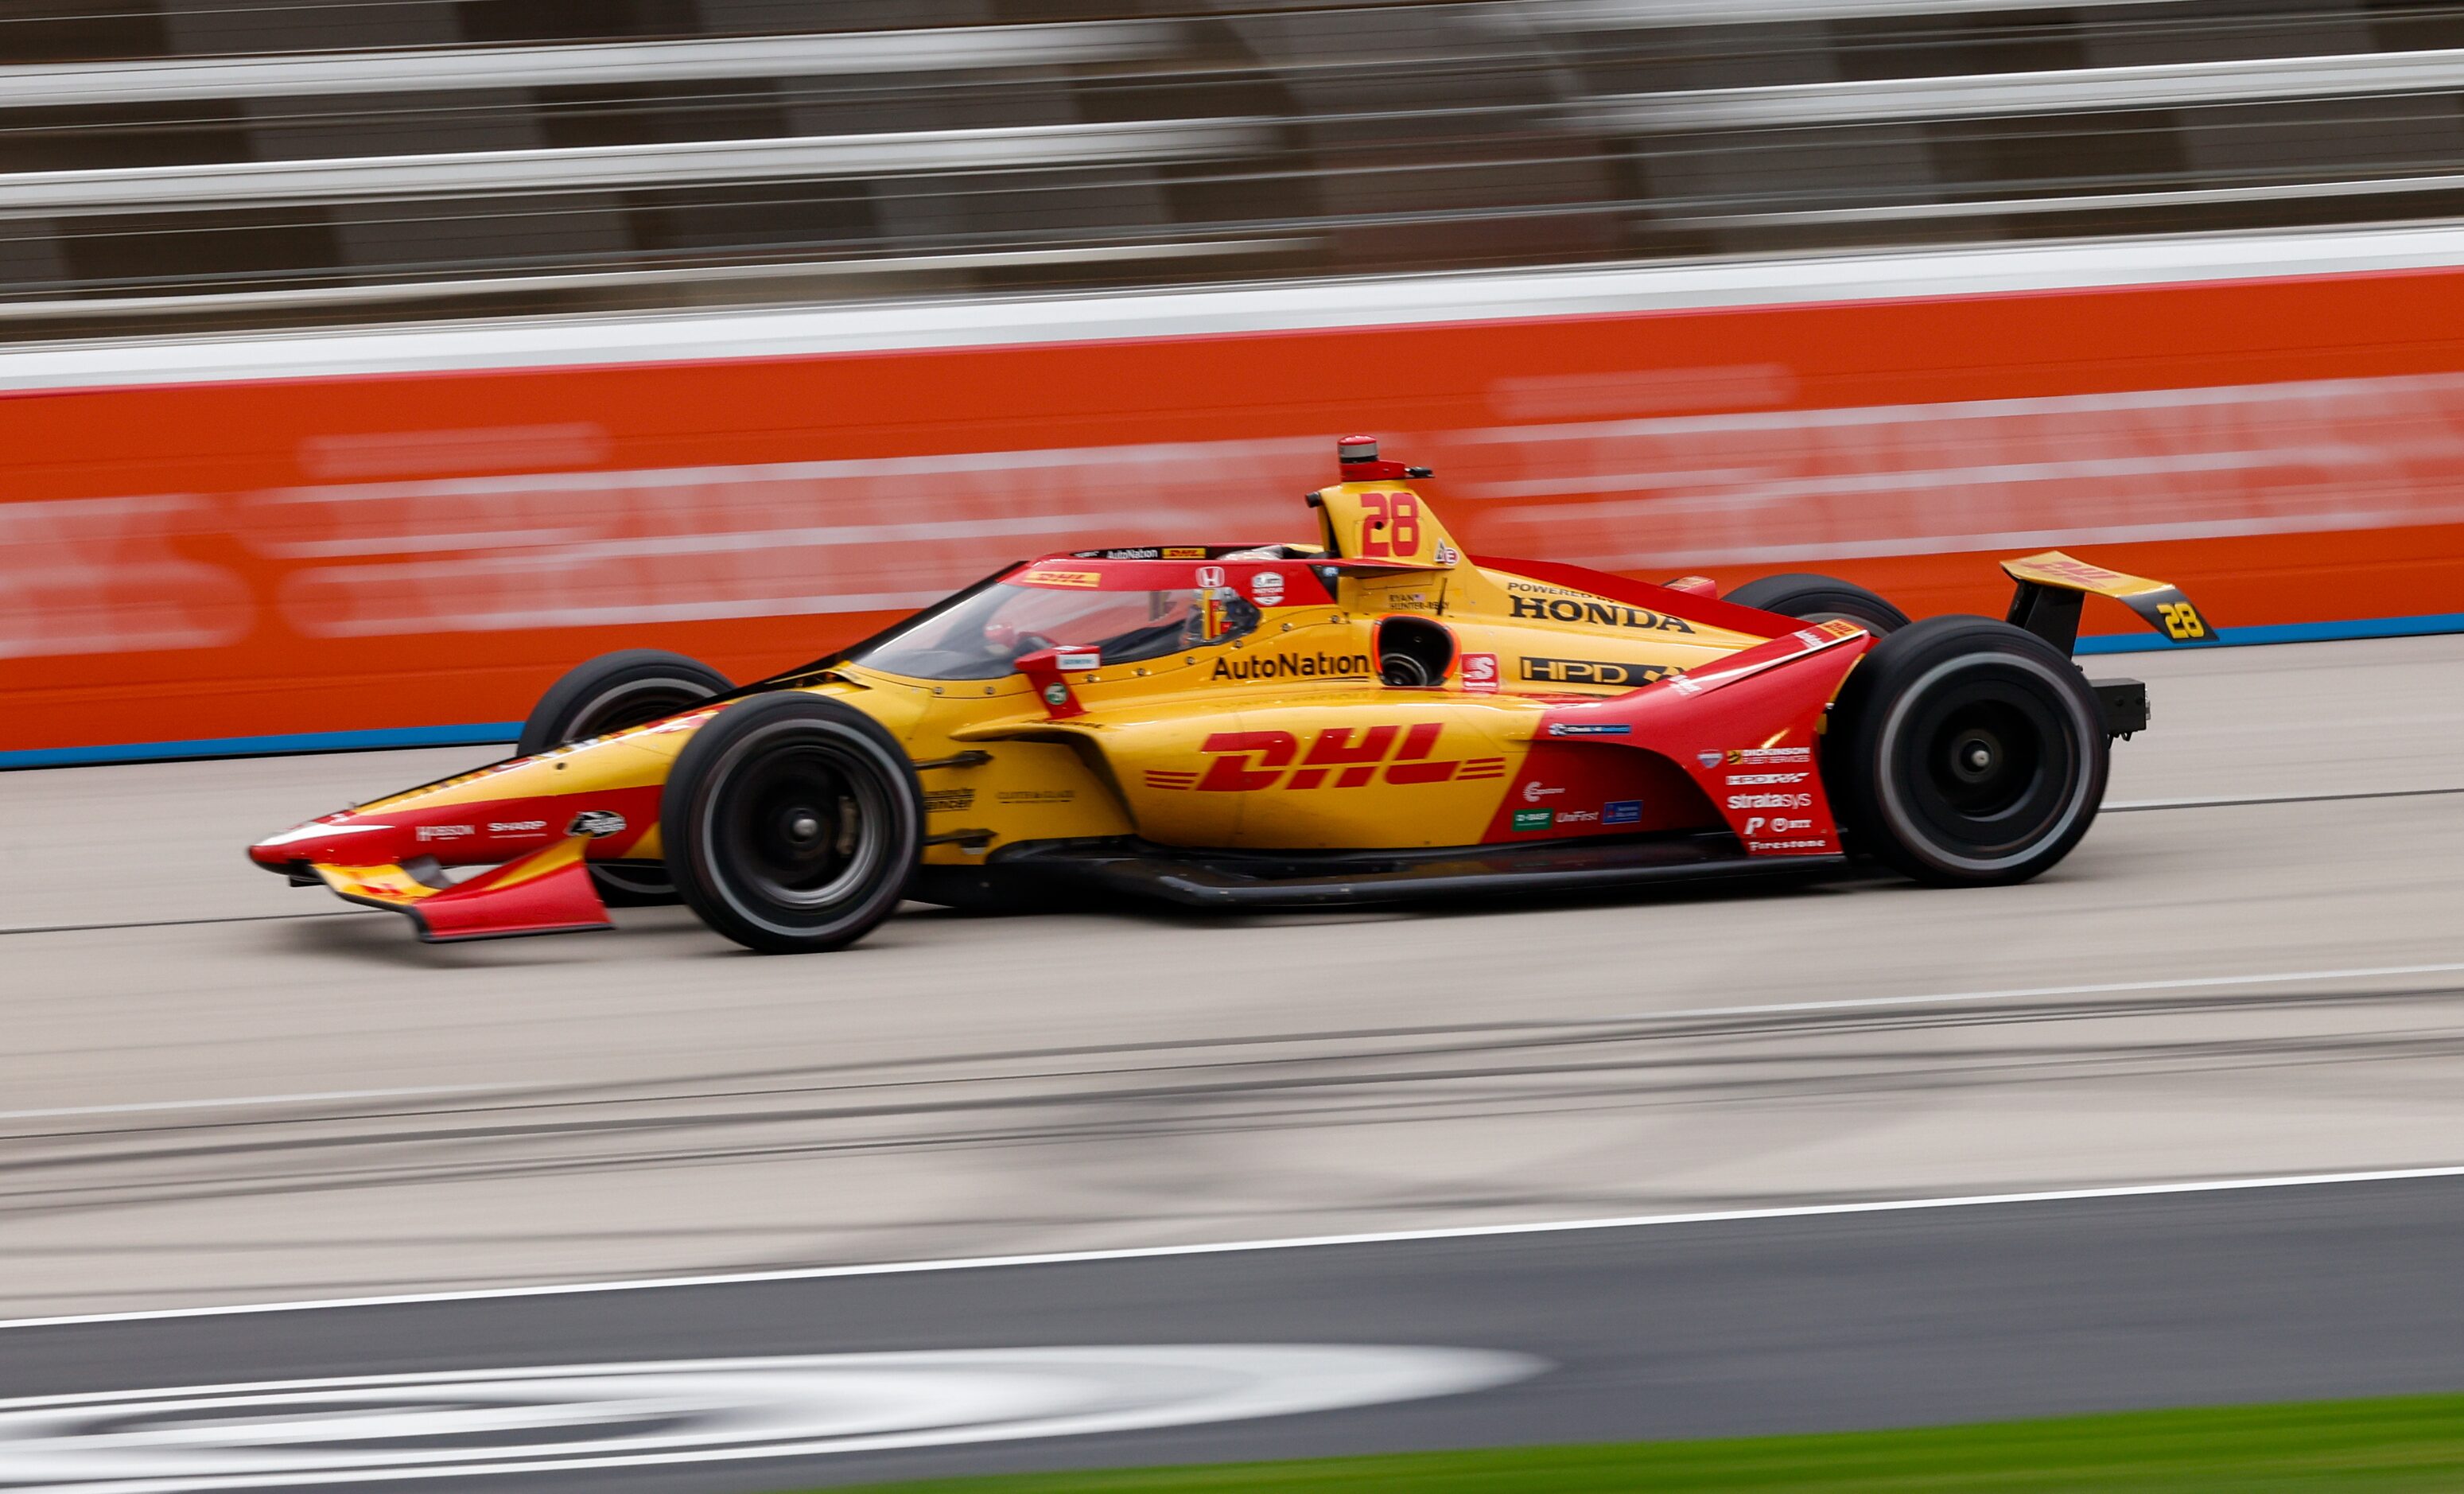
547, 891
1743, 728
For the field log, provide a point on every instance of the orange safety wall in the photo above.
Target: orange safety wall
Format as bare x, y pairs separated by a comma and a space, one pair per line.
281, 556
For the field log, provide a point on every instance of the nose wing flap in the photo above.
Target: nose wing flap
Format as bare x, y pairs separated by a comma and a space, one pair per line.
547, 891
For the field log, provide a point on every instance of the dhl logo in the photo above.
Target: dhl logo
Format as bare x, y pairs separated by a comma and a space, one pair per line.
1338, 756
2078, 571
1042, 576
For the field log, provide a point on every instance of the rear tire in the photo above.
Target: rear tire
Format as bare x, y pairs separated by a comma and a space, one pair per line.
1820, 599
1966, 751
792, 824
631, 687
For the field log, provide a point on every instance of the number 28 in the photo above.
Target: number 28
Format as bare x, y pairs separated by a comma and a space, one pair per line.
1390, 525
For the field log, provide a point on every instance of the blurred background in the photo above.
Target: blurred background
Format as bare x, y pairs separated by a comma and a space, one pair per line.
217, 163
365, 365
378, 358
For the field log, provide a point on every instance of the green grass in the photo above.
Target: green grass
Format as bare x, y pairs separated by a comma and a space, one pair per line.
2407, 1442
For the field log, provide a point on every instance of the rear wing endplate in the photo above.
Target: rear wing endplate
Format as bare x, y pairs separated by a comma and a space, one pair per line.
2052, 585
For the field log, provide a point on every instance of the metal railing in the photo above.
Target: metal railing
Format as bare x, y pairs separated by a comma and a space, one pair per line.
413, 173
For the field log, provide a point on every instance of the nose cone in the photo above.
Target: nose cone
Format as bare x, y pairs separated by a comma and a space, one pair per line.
337, 840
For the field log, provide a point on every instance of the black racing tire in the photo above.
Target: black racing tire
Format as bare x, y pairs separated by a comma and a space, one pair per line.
1965, 752
1820, 599
631, 687
792, 822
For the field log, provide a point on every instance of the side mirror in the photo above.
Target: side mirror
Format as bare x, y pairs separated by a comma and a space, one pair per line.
1048, 671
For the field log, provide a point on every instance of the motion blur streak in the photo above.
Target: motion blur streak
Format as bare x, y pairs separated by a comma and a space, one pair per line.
2273, 444
382, 359
650, 1106
616, 547
562, 1419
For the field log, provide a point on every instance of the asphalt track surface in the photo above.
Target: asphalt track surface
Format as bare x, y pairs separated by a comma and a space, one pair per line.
1674, 1330
220, 1089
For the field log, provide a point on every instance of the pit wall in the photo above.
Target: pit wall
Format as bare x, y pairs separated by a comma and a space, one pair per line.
410, 544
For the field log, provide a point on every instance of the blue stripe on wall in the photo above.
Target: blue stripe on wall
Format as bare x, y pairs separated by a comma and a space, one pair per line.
2287, 633
476, 734
486, 732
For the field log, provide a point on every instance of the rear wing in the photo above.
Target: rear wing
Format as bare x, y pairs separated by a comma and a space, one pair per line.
2053, 586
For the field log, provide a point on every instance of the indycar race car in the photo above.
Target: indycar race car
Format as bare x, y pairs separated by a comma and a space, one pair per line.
1372, 718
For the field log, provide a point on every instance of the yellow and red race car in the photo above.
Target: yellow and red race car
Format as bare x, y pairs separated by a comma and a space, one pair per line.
1372, 718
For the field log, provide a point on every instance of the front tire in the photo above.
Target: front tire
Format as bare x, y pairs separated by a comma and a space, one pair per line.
792, 822
1820, 599
631, 687
1966, 751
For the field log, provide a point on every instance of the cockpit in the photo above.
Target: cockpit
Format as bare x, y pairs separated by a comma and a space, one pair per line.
982, 636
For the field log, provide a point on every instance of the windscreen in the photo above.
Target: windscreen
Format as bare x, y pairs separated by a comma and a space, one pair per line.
983, 637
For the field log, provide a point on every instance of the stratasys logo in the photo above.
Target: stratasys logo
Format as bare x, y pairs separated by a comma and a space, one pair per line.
1294, 665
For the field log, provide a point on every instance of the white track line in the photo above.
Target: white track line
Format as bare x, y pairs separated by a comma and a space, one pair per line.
2125, 806
2026, 992
1240, 1246
244, 1100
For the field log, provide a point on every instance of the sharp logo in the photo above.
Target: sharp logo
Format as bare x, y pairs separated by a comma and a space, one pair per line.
1591, 672
1338, 756
1597, 614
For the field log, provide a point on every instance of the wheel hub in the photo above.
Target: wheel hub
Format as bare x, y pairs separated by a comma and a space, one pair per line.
1976, 756
804, 823
1985, 757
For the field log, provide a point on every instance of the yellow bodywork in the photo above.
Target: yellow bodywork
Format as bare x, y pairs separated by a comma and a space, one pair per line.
1125, 766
